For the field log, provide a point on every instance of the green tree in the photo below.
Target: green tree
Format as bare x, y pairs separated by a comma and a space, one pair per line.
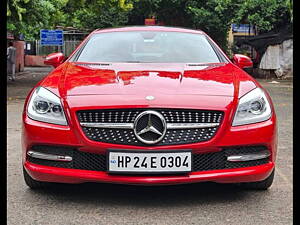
215, 16
92, 14
15, 11
266, 15
29, 16
14, 7
212, 16
289, 5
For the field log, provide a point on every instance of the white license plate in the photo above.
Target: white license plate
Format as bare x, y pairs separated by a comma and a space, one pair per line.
149, 162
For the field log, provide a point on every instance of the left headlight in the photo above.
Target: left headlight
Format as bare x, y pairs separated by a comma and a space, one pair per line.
46, 107
253, 108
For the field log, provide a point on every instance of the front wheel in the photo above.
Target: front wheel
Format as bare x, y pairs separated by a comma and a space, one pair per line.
260, 185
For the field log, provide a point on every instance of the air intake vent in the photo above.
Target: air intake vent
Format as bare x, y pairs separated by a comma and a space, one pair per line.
93, 65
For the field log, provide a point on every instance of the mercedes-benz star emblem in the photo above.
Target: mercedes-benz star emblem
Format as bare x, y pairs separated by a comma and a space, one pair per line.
150, 127
150, 97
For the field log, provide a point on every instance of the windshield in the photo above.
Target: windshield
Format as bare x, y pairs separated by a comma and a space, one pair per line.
148, 47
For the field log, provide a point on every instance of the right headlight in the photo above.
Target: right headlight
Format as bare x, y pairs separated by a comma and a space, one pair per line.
253, 108
46, 107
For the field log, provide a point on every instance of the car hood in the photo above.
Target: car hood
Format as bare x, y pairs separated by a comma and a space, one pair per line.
219, 79
149, 79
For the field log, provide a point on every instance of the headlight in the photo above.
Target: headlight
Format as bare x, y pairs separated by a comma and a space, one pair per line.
253, 108
46, 107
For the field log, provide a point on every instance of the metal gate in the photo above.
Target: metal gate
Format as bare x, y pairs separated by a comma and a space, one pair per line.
67, 48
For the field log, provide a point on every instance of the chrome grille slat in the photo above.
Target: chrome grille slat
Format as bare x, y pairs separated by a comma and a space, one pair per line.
169, 125
109, 125
191, 125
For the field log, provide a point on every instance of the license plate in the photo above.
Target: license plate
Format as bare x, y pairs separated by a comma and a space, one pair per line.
149, 162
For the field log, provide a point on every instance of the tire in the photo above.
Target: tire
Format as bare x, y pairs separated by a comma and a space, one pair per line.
260, 185
33, 184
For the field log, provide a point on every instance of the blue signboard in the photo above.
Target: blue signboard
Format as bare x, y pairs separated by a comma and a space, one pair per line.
242, 28
52, 37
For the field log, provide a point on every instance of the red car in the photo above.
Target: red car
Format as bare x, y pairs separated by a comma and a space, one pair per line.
149, 106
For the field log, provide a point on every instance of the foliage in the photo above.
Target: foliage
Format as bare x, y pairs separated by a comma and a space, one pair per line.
215, 16
265, 15
29, 16
143, 9
212, 16
289, 5
35, 15
15, 7
92, 14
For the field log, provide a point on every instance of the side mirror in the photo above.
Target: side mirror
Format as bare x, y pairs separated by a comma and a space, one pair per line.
54, 59
242, 61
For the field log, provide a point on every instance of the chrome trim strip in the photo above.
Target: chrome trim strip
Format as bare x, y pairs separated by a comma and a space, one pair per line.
191, 125
38, 155
248, 157
169, 125
109, 125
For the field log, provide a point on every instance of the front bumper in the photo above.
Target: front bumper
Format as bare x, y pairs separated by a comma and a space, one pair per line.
38, 133
62, 175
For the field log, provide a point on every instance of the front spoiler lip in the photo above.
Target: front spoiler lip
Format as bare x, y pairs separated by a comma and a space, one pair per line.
63, 175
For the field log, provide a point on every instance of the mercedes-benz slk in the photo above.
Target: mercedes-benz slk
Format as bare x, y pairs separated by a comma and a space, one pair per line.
149, 105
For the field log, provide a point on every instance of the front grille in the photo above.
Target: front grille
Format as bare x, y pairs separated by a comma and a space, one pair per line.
97, 162
129, 115
127, 136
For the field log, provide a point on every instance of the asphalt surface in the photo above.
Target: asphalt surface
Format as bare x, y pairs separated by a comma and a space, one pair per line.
203, 203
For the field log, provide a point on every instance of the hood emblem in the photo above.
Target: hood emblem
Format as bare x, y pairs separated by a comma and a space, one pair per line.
150, 127
150, 97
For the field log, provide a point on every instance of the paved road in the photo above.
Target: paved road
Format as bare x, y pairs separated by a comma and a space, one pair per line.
204, 203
